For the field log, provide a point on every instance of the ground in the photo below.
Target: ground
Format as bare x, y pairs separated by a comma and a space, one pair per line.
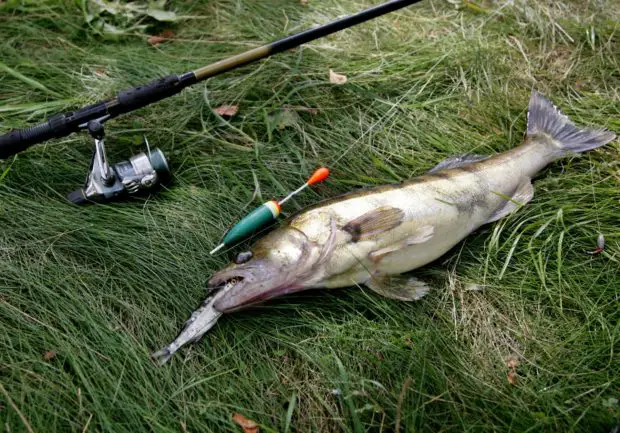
520, 332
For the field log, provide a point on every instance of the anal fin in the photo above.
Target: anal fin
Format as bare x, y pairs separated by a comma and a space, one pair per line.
398, 287
522, 195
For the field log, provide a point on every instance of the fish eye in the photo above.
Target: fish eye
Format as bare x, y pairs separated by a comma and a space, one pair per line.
243, 257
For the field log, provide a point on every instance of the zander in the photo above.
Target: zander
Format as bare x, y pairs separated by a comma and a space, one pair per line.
371, 236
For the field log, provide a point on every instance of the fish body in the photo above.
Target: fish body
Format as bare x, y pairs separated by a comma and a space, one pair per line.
372, 236
439, 209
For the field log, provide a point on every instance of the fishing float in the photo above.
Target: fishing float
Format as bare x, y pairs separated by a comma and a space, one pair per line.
265, 213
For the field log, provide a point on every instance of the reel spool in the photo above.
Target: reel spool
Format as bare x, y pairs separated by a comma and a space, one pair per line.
141, 173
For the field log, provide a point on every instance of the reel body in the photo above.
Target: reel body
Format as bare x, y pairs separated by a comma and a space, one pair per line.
141, 173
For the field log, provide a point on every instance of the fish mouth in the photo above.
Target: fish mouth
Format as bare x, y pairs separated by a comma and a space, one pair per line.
242, 289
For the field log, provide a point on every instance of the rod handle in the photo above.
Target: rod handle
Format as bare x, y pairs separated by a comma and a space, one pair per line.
156, 90
21, 139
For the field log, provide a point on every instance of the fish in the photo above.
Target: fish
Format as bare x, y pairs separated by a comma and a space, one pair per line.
372, 236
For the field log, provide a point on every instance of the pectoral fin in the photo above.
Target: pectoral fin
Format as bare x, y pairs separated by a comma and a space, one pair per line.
523, 194
421, 235
398, 287
374, 222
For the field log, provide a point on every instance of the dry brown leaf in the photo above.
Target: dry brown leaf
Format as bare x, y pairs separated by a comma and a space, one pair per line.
246, 424
162, 37
512, 377
512, 363
155, 40
49, 355
226, 110
336, 78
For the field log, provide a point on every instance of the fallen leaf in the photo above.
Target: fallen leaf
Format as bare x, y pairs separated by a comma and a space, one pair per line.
226, 110
336, 78
246, 424
512, 363
155, 40
304, 2
161, 37
512, 377
168, 33
48, 356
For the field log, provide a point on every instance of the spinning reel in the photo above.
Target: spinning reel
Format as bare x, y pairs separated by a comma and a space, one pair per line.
142, 172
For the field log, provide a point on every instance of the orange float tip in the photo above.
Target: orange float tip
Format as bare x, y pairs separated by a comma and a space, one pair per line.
318, 176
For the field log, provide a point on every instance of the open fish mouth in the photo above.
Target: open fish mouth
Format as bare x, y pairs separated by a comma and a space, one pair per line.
245, 288
232, 276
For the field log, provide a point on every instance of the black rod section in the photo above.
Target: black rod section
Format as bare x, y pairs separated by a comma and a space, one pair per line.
341, 24
63, 124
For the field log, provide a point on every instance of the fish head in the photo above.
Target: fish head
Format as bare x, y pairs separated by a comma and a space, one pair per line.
273, 267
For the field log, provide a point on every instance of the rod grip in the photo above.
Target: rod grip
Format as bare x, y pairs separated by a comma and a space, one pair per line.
21, 139
154, 91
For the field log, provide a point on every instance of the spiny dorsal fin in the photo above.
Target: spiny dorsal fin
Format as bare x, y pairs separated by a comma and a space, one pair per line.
457, 161
374, 222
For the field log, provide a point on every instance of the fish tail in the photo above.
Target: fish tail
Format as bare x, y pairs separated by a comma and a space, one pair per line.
162, 356
544, 118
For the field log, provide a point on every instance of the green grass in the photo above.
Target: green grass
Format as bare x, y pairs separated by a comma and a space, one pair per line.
103, 286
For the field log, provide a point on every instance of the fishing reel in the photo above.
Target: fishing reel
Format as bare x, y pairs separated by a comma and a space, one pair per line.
141, 173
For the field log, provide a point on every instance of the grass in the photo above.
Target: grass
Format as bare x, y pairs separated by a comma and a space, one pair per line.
103, 286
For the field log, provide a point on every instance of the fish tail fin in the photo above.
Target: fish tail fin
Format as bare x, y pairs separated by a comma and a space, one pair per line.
162, 356
544, 118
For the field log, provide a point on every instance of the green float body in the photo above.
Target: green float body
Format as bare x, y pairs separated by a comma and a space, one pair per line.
254, 221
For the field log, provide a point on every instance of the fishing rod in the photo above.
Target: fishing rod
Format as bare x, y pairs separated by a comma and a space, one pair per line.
146, 171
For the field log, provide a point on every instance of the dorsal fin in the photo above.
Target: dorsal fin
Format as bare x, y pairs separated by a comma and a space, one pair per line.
457, 161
